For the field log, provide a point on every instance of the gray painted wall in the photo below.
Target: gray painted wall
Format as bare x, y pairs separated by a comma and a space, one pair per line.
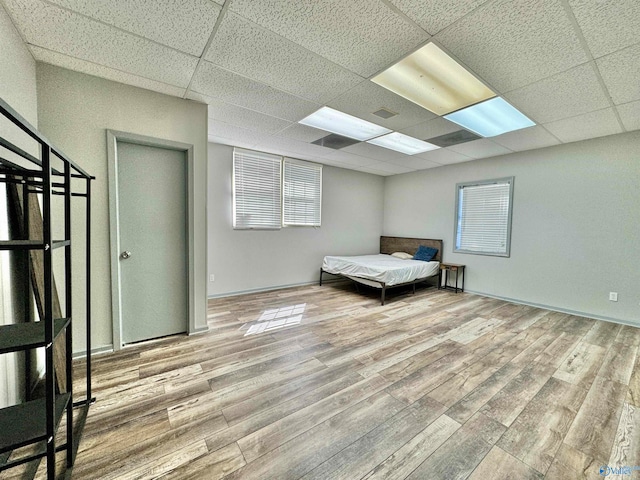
75, 110
18, 89
243, 260
576, 224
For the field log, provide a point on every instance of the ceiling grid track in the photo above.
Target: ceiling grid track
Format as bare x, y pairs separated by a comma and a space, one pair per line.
592, 61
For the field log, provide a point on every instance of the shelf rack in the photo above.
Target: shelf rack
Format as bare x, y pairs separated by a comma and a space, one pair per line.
35, 422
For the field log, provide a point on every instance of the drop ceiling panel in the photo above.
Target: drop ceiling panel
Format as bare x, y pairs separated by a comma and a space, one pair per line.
431, 128
566, 94
374, 152
77, 65
74, 35
383, 168
185, 26
415, 162
347, 158
630, 115
288, 146
620, 72
444, 156
367, 97
607, 26
526, 139
582, 127
238, 90
245, 118
302, 133
227, 134
480, 149
363, 36
254, 52
512, 43
435, 15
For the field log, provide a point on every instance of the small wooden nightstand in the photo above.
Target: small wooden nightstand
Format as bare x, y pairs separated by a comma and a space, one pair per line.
453, 267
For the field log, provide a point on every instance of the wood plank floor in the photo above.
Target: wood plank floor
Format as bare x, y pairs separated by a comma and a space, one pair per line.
323, 383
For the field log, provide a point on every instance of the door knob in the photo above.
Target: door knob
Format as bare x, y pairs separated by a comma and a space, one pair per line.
126, 254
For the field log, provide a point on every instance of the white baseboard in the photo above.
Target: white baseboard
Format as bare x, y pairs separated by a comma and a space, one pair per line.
557, 309
94, 351
268, 289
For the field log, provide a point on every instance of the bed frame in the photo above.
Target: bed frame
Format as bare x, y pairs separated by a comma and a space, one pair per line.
389, 245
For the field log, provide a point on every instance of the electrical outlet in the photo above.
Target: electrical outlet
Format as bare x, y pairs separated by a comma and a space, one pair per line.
212, 278
613, 296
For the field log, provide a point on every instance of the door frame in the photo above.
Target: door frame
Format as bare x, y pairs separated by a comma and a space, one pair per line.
113, 138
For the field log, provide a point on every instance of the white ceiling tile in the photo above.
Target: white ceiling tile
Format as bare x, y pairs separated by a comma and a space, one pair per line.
582, 127
288, 146
183, 25
347, 158
385, 167
416, 163
444, 156
72, 34
245, 118
335, 163
630, 115
566, 94
373, 152
367, 97
238, 90
374, 171
607, 26
435, 15
526, 139
75, 64
620, 72
303, 133
254, 52
233, 135
229, 142
432, 128
482, 148
361, 35
512, 43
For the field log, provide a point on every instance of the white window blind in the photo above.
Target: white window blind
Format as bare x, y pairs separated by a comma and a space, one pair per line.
302, 193
483, 211
256, 190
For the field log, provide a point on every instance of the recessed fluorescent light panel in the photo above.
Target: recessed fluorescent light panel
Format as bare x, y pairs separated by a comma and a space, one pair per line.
434, 80
402, 143
491, 118
343, 124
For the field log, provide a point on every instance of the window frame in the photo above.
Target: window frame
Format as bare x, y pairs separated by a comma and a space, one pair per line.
462, 185
282, 160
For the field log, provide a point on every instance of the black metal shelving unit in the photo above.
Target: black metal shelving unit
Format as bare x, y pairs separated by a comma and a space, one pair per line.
36, 421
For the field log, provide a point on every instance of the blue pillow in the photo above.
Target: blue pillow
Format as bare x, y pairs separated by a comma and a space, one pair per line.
425, 253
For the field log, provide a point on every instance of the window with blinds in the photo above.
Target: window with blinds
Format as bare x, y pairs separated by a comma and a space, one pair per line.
483, 217
256, 190
302, 193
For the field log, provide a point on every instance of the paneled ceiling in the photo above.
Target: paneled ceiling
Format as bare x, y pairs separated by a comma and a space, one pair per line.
572, 66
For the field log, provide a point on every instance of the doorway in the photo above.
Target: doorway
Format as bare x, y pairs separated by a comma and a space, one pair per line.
150, 237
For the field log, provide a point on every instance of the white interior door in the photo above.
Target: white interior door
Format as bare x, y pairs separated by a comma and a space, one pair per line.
152, 216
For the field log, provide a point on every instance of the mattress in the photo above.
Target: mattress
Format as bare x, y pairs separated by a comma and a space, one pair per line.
380, 268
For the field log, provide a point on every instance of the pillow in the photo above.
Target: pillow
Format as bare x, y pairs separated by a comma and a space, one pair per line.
425, 253
402, 255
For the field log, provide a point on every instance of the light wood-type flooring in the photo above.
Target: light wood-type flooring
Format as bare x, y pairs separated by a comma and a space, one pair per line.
324, 383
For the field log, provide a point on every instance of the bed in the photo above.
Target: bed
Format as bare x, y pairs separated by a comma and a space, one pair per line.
384, 271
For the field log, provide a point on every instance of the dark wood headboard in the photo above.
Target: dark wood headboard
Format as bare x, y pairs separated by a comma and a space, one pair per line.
390, 245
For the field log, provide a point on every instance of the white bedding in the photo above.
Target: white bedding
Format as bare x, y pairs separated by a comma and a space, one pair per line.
380, 268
